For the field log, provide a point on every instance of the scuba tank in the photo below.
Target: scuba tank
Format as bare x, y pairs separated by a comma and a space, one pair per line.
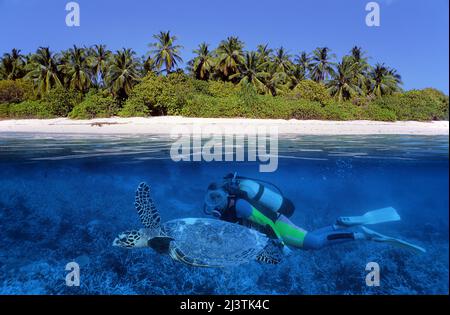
259, 195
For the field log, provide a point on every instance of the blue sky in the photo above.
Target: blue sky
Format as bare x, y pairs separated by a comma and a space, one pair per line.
412, 37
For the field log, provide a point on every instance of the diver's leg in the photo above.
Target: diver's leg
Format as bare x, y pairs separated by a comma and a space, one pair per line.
295, 236
291, 234
328, 236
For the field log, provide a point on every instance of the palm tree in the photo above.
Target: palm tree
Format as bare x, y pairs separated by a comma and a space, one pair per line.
361, 67
396, 75
279, 70
296, 75
303, 61
43, 70
342, 84
165, 51
12, 65
282, 61
299, 70
251, 72
275, 82
123, 73
75, 67
358, 54
229, 56
148, 65
203, 64
98, 60
383, 80
264, 53
322, 67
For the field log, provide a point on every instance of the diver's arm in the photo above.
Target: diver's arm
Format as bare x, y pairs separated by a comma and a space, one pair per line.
243, 209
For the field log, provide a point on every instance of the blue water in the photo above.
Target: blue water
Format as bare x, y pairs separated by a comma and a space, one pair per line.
64, 199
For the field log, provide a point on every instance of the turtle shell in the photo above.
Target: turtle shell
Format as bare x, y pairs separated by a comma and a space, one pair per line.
212, 243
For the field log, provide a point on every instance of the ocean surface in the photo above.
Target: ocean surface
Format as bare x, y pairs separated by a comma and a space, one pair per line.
65, 198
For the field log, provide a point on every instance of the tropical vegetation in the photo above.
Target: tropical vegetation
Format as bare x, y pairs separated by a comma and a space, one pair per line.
225, 81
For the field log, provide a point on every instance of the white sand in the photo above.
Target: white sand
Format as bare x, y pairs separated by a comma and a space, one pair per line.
164, 125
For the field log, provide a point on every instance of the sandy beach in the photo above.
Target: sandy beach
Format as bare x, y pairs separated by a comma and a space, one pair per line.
164, 125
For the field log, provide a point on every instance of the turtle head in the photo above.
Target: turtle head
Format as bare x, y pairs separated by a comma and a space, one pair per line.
131, 239
136, 239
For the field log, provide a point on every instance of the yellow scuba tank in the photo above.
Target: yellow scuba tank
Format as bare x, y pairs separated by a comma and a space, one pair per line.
259, 195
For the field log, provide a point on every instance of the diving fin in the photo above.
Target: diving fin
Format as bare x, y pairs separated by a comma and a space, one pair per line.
372, 217
378, 237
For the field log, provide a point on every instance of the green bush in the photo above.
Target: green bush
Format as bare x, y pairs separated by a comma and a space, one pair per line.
213, 107
157, 95
248, 96
208, 106
375, 112
275, 107
201, 87
143, 98
308, 110
247, 103
4, 110
15, 91
243, 103
60, 102
178, 93
29, 109
442, 100
178, 88
222, 89
310, 91
415, 105
200, 106
363, 100
134, 108
342, 111
95, 105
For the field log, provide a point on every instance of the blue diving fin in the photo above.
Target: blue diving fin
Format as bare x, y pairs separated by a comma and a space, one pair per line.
388, 214
378, 237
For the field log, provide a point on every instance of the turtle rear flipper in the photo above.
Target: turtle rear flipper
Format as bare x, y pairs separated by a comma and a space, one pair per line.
272, 253
146, 209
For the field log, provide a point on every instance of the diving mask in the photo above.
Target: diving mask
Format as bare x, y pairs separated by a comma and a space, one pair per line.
216, 200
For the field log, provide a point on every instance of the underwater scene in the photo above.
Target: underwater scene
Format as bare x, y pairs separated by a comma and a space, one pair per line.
66, 198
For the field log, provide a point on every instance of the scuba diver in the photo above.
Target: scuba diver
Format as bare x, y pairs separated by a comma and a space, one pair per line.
250, 202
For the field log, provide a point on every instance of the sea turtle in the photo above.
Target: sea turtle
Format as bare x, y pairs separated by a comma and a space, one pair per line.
197, 241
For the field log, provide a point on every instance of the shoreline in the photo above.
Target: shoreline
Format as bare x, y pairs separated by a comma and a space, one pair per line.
165, 124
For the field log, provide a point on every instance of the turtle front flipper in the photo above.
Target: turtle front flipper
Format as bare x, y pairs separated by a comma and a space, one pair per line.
272, 253
146, 209
178, 255
160, 244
